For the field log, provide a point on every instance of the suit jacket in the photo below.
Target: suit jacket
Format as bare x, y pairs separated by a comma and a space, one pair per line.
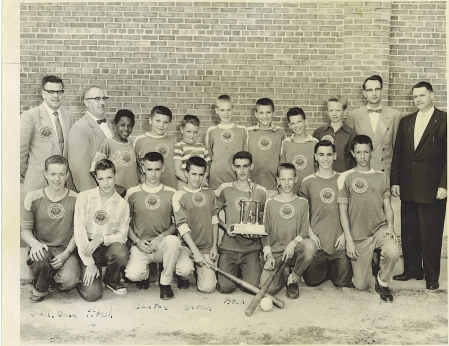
420, 172
38, 141
383, 139
84, 140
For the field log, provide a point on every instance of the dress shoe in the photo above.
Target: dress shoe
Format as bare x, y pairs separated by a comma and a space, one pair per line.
143, 285
385, 293
406, 277
183, 284
432, 285
166, 292
35, 299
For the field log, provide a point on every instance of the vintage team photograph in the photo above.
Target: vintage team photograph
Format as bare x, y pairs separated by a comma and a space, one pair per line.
229, 172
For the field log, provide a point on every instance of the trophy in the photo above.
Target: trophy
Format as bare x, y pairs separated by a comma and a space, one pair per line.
252, 225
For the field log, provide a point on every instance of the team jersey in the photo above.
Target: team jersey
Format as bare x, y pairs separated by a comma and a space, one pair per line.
229, 197
300, 155
324, 214
223, 141
195, 211
265, 147
184, 151
162, 144
93, 219
284, 221
50, 222
364, 193
342, 139
124, 159
150, 210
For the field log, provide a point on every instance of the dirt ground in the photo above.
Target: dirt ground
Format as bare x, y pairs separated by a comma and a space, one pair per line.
322, 315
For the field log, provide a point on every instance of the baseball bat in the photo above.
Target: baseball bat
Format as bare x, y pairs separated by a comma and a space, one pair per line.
250, 288
256, 300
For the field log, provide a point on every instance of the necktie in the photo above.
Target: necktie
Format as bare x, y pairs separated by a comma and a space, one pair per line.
59, 131
374, 110
101, 121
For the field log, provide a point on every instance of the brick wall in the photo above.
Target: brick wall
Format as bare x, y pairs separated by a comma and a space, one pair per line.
184, 54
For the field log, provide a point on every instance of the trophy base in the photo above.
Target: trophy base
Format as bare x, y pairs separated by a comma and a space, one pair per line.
248, 228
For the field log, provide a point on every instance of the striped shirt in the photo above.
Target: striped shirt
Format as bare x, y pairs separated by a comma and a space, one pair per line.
51, 222
94, 219
184, 151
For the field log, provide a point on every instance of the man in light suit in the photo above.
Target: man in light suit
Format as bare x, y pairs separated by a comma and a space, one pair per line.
44, 131
378, 122
419, 177
86, 136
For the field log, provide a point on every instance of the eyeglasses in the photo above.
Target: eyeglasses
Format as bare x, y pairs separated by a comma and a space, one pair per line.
98, 99
371, 90
54, 91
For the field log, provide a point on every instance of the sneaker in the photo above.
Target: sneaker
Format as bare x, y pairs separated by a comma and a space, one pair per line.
292, 291
166, 292
117, 289
35, 299
385, 293
143, 285
183, 284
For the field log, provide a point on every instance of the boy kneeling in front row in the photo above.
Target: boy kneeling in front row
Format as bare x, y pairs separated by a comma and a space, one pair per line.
101, 230
286, 221
367, 220
47, 227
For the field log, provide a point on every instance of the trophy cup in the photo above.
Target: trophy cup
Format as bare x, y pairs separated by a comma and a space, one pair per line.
252, 225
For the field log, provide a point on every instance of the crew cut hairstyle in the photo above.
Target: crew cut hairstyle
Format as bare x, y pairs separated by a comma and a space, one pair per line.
195, 161
361, 139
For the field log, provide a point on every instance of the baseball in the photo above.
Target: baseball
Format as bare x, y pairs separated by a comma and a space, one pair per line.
266, 304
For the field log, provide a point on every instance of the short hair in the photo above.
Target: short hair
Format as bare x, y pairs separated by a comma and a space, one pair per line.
265, 102
56, 159
242, 155
190, 119
324, 143
361, 139
295, 111
52, 79
423, 84
375, 77
124, 113
285, 167
195, 161
103, 165
153, 156
337, 98
224, 98
161, 110
88, 88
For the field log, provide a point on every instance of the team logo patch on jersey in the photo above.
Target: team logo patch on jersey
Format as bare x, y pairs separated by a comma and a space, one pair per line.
300, 162
327, 195
264, 143
237, 203
56, 211
287, 211
125, 158
227, 136
152, 202
359, 185
46, 133
101, 217
199, 199
163, 149
328, 138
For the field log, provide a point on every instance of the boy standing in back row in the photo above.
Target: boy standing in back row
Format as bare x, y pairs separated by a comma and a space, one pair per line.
158, 140
223, 141
367, 219
264, 144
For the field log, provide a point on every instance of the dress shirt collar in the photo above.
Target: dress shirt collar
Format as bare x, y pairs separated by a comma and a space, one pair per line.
93, 117
368, 106
272, 127
342, 127
428, 114
51, 111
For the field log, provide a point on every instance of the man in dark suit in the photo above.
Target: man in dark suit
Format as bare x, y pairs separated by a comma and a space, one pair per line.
44, 131
418, 176
86, 136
